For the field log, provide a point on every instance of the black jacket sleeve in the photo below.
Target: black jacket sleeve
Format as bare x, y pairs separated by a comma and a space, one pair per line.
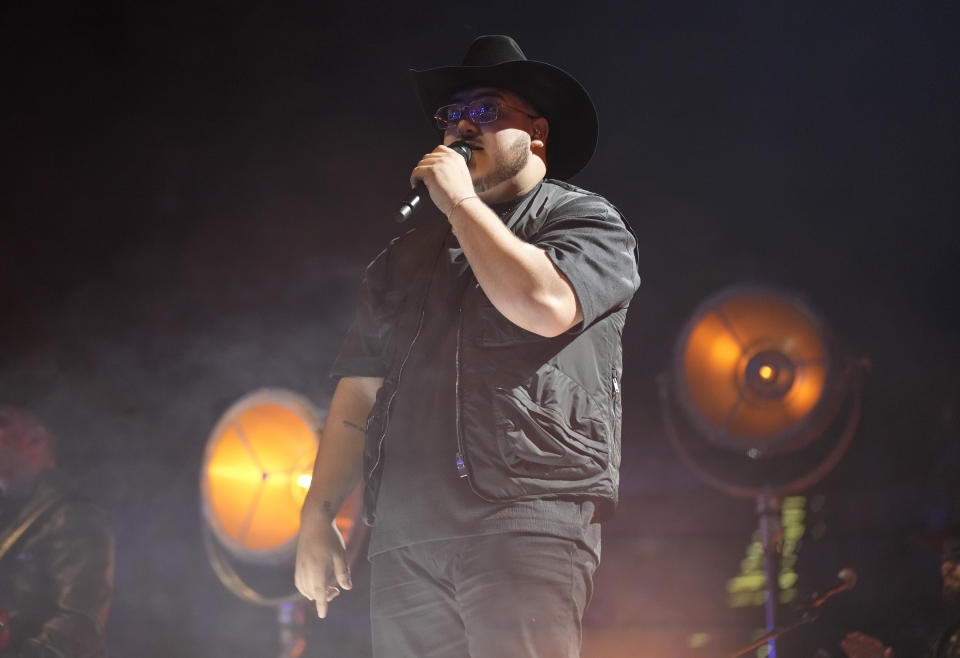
77, 544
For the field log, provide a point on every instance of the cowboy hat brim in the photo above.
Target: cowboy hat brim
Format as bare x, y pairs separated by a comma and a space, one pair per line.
554, 93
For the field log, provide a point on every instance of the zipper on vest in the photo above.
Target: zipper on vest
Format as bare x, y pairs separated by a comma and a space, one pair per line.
403, 362
461, 460
396, 389
461, 463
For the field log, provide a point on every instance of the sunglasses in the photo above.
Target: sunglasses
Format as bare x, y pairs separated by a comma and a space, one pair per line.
482, 110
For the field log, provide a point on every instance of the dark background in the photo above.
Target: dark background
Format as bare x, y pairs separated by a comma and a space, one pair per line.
191, 190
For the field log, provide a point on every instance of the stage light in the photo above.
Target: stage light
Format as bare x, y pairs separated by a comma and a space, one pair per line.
257, 468
256, 472
255, 459
761, 387
751, 369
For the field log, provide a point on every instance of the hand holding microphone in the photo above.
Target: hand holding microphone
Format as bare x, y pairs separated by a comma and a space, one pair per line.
448, 176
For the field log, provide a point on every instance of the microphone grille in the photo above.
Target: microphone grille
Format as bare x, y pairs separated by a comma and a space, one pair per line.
848, 576
462, 149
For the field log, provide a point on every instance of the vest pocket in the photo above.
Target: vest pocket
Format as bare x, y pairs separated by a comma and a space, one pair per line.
550, 428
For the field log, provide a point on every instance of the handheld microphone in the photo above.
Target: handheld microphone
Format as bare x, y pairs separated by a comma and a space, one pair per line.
846, 580
413, 201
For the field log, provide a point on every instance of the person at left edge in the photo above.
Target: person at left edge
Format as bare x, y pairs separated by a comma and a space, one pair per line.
56, 551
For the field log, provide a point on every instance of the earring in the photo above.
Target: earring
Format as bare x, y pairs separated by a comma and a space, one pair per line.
536, 133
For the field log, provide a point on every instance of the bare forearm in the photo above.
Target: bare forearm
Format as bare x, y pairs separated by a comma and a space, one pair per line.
519, 278
321, 565
339, 458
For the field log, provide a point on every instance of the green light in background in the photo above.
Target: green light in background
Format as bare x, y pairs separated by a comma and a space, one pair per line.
746, 589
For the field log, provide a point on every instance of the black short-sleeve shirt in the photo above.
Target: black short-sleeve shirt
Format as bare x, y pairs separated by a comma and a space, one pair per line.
421, 496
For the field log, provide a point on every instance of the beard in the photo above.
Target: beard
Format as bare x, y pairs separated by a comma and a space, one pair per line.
505, 165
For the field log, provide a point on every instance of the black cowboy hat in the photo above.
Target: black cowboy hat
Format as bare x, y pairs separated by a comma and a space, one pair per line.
497, 61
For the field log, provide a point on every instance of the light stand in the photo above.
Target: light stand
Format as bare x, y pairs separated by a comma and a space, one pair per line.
760, 387
768, 511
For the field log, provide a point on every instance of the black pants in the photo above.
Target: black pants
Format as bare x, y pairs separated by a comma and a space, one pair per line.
507, 595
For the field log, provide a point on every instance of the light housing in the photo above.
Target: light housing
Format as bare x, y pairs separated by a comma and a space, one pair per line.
752, 370
256, 471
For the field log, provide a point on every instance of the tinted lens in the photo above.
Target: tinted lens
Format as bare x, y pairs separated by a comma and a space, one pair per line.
480, 111
447, 115
483, 111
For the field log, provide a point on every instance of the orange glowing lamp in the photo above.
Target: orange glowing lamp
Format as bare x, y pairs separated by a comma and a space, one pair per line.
256, 472
752, 369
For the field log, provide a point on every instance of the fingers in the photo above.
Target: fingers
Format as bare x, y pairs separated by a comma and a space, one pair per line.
303, 582
342, 573
317, 587
424, 168
320, 566
308, 579
322, 590
321, 602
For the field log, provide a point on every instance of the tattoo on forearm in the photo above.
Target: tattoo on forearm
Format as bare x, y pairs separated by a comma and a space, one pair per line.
354, 426
327, 507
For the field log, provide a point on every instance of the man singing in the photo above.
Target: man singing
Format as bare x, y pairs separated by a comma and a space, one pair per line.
479, 386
